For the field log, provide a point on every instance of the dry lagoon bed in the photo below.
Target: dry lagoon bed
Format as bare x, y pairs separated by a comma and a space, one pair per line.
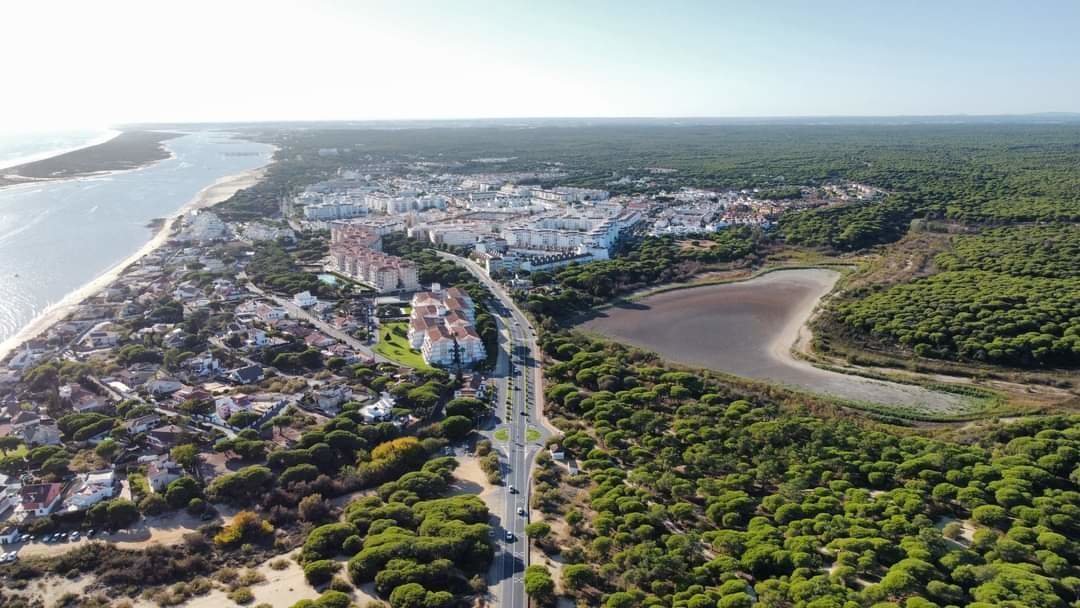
747, 329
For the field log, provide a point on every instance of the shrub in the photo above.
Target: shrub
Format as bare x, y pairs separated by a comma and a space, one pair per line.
320, 571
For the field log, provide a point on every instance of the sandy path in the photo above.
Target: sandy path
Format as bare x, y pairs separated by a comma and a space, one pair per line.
213, 194
165, 529
748, 329
471, 479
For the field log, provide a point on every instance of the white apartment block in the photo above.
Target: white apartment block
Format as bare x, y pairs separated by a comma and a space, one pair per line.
334, 210
400, 204
202, 226
570, 195
570, 232
442, 323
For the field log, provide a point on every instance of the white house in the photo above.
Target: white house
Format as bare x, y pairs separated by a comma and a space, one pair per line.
161, 471
141, 424
330, 398
163, 386
380, 411
9, 535
102, 339
90, 489
304, 299
268, 313
203, 365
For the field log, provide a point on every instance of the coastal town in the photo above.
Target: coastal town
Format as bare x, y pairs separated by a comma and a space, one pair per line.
333, 304
255, 383
195, 358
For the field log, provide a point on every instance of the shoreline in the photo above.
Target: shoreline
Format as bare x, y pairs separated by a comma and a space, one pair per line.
110, 135
217, 192
124, 151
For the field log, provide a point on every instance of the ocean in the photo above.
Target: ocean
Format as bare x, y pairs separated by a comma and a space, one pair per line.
58, 236
19, 148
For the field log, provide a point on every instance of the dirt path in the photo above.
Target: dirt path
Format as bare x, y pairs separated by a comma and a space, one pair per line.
166, 530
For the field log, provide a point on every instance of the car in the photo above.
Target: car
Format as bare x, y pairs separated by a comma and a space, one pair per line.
509, 536
521, 510
25, 538
75, 535
90, 532
491, 533
512, 489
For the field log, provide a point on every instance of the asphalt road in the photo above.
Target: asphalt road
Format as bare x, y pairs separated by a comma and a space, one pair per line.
299, 313
518, 408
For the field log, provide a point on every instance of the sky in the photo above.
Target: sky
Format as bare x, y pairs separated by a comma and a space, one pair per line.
84, 64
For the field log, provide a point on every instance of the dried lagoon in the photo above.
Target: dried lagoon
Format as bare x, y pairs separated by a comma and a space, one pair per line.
748, 328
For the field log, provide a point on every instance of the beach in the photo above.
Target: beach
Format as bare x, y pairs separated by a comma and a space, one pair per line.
122, 152
57, 143
213, 194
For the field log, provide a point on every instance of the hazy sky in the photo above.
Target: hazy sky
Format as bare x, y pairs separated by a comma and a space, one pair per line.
84, 63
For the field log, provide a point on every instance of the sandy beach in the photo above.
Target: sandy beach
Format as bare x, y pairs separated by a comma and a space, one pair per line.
213, 194
122, 152
33, 158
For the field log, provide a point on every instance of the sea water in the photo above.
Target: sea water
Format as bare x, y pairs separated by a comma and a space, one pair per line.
19, 148
58, 236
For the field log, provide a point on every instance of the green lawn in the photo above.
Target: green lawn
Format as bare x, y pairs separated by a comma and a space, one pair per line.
502, 434
532, 434
395, 346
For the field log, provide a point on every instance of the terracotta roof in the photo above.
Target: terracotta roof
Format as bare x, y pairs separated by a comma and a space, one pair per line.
38, 496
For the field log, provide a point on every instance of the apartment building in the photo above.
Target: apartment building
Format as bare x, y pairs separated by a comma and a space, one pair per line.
441, 324
355, 252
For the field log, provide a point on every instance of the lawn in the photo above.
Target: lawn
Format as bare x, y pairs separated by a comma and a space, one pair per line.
532, 434
394, 345
502, 434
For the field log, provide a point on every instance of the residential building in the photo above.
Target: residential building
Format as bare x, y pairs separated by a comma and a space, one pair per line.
304, 299
441, 327
355, 252
39, 499
202, 226
330, 398
89, 489
246, 375
141, 424
380, 411
161, 471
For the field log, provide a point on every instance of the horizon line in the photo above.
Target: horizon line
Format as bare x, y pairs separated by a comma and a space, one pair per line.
1049, 113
